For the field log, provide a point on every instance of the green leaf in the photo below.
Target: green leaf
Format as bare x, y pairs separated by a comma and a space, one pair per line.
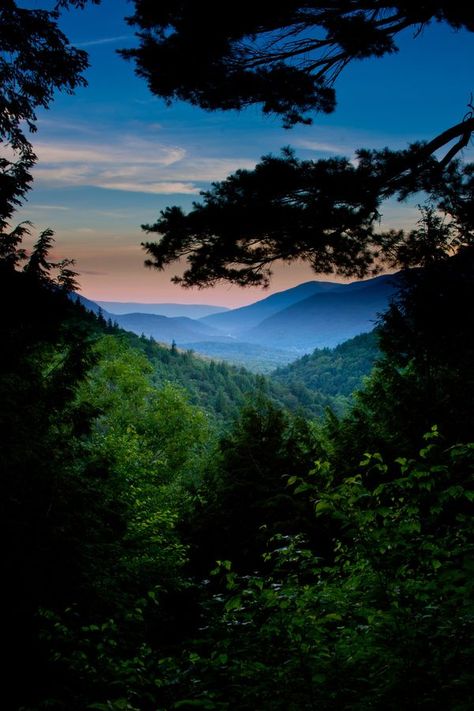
322, 506
234, 603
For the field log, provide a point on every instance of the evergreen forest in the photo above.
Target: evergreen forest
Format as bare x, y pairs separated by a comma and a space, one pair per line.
180, 533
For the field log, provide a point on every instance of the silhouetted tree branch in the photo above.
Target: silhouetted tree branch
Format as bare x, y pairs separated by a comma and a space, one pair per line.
36, 60
287, 58
324, 212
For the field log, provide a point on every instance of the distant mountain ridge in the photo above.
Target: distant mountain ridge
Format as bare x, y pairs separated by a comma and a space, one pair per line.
170, 310
235, 321
274, 330
162, 328
327, 319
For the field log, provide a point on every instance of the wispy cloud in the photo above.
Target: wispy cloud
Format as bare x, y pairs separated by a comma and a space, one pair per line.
36, 206
345, 141
129, 164
126, 150
155, 188
103, 40
209, 169
322, 147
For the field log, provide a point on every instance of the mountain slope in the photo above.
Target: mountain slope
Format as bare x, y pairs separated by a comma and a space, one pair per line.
218, 387
275, 330
326, 319
167, 330
238, 320
252, 356
334, 372
91, 306
195, 311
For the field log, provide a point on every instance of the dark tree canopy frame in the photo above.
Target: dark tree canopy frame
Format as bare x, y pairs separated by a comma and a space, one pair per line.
285, 56
286, 59
36, 60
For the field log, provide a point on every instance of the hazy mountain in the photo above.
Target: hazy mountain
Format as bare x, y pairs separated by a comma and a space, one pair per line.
326, 319
170, 310
273, 331
236, 321
166, 330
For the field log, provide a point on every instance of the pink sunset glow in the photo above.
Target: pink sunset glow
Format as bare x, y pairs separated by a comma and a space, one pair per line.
109, 278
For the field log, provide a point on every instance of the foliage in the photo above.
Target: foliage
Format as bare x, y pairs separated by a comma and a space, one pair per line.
243, 500
118, 501
153, 441
425, 374
386, 624
325, 212
59, 521
344, 584
337, 372
94, 460
219, 388
286, 59
148, 443
35, 61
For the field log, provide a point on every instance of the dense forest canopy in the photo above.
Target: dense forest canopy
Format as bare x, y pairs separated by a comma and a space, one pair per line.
167, 545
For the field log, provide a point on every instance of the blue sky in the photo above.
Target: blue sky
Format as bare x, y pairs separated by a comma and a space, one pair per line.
112, 155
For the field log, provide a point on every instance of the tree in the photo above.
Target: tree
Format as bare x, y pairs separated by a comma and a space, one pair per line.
36, 60
325, 212
244, 497
288, 60
387, 623
424, 376
53, 509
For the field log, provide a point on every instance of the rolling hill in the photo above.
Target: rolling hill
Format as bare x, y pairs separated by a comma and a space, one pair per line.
334, 372
167, 330
195, 311
273, 331
326, 319
236, 321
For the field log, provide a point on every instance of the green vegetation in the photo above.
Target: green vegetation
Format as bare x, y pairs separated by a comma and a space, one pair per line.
385, 621
251, 356
337, 372
167, 545
166, 555
218, 387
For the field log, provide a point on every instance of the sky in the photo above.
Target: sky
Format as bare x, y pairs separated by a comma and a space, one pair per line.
112, 155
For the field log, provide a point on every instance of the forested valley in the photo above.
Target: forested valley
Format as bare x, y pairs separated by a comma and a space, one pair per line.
180, 533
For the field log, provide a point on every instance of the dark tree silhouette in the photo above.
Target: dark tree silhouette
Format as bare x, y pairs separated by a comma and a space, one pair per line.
287, 59
325, 212
285, 56
36, 60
